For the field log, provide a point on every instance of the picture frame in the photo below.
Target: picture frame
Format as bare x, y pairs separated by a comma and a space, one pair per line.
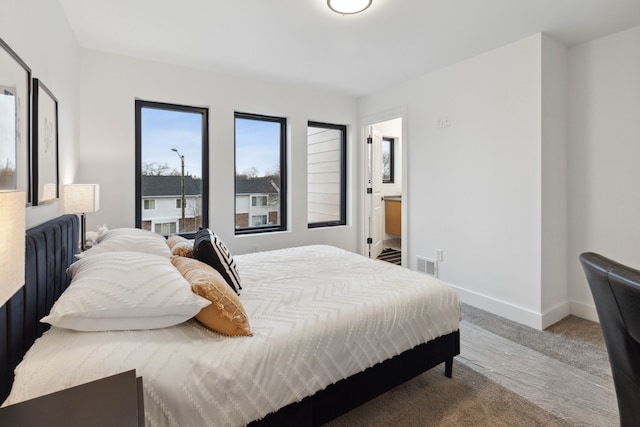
46, 186
15, 122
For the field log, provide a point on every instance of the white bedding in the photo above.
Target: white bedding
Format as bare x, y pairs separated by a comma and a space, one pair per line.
319, 314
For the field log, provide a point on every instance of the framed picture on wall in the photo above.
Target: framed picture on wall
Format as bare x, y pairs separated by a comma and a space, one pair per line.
15, 96
45, 144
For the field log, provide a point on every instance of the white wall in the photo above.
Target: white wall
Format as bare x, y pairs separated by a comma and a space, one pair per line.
554, 277
538, 165
109, 85
38, 31
604, 149
475, 187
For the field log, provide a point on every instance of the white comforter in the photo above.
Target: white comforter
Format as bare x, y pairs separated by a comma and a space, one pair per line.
319, 314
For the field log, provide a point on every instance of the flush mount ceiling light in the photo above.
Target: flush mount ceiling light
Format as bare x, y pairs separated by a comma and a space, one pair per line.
348, 7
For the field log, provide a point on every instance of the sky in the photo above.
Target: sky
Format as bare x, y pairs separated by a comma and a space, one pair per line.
163, 130
257, 142
257, 145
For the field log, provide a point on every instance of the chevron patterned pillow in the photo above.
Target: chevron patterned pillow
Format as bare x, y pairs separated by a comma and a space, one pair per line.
124, 291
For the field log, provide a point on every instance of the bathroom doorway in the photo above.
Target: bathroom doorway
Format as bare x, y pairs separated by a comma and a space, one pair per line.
384, 198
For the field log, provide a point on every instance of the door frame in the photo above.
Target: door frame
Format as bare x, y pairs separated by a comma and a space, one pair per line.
365, 122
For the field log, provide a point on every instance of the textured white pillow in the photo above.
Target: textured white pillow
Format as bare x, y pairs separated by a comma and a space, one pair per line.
124, 291
147, 242
118, 232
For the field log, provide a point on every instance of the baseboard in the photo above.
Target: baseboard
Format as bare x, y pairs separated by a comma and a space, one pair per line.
501, 308
585, 311
555, 314
523, 315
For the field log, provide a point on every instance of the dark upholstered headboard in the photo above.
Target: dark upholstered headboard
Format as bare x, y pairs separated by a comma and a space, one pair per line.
50, 249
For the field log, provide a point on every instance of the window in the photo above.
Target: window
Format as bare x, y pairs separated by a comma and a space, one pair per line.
149, 204
172, 177
259, 200
387, 160
326, 174
165, 228
260, 189
258, 220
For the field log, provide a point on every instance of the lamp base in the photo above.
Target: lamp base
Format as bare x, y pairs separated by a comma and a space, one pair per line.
83, 232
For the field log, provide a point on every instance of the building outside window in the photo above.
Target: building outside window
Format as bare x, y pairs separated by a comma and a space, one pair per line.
260, 185
149, 204
326, 175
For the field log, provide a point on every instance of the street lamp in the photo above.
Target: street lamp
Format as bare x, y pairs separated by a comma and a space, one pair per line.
181, 186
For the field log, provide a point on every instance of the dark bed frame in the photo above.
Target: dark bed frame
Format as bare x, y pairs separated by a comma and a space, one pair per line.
50, 249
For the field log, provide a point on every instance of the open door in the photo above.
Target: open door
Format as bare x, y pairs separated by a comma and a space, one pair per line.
375, 221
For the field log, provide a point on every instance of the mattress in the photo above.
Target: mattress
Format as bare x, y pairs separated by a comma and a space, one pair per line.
318, 313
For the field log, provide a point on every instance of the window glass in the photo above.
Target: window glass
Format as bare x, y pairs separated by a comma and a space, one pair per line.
260, 186
387, 160
165, 228
258, 220
326, 175
259, 200
171, 167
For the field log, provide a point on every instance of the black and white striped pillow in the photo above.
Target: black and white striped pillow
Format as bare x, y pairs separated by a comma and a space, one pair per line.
209, 249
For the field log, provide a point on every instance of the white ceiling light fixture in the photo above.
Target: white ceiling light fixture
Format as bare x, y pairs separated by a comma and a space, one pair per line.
348, 7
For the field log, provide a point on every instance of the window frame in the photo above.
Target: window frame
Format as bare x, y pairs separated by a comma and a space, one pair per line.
139, 106
256, 197
392, 143
144, 202
343, 176
266, 218
283, 174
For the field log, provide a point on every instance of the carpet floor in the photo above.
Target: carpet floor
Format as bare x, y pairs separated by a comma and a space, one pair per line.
506, 375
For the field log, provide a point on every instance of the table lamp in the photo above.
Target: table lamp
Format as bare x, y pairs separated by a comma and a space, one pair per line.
12, 243
80, 199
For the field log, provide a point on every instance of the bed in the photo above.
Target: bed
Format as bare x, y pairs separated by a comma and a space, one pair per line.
352, 332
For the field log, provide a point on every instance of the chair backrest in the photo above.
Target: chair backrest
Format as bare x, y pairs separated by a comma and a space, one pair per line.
616, 292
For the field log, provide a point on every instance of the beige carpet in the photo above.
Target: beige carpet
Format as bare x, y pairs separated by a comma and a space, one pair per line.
431, 399
473, 399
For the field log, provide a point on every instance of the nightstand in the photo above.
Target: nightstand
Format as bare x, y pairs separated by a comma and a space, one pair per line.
108, 402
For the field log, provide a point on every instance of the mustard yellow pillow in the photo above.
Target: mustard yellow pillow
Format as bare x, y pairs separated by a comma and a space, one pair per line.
180, 246
225, 314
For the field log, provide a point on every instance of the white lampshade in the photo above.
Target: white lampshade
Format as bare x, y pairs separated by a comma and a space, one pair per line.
12, 243
81, 198
348, 7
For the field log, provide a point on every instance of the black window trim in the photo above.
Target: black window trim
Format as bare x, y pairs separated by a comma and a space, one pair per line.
392, 143
343, 176
283, 173
139, 105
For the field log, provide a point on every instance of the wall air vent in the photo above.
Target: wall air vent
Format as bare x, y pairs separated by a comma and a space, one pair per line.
427, 266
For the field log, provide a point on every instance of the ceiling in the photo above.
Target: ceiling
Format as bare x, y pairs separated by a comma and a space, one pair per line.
303, 42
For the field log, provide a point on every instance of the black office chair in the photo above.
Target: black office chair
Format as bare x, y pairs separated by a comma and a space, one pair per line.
616, 292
